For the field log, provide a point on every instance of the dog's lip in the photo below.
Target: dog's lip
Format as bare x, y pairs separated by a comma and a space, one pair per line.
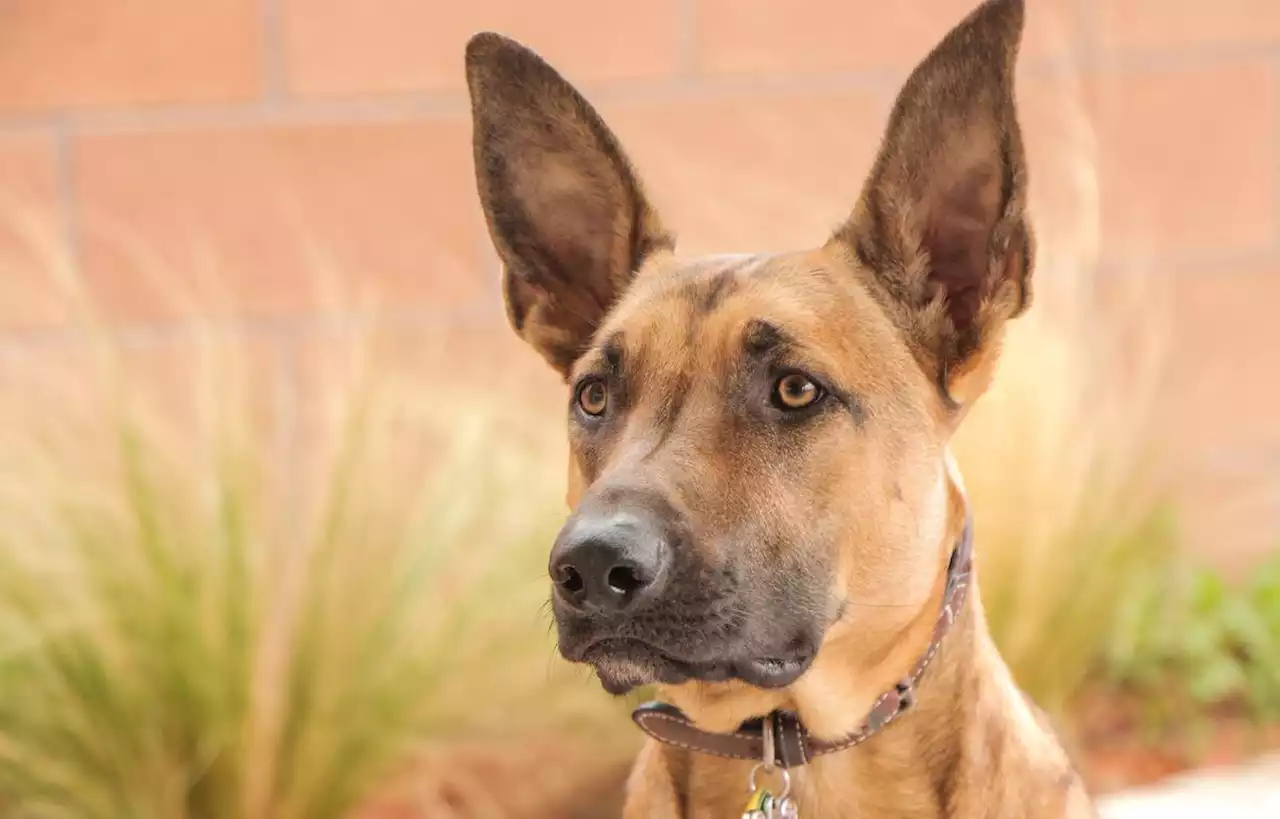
622, 664
663, 667
610, 646
773, 672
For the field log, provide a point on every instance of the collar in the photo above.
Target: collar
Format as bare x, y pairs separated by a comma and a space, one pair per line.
789, 742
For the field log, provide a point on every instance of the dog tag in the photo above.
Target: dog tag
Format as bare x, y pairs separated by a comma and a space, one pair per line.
764, 805
759, 806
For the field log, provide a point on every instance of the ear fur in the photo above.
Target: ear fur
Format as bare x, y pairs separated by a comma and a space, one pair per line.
940, 229
565, 210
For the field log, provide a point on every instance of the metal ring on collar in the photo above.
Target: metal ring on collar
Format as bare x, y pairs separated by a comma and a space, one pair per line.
786, 780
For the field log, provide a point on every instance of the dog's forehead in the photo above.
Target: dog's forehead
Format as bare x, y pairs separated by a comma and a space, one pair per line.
686, 293
682, 309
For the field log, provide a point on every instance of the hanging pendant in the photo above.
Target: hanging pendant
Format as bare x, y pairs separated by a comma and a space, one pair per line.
759, 806
763, 804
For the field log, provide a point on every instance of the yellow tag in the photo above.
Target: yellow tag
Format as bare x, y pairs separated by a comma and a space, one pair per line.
759, 804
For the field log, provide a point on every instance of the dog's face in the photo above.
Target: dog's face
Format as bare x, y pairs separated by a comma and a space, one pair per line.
758, 442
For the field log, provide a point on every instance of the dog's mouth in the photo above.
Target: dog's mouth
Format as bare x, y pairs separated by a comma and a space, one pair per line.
624, 664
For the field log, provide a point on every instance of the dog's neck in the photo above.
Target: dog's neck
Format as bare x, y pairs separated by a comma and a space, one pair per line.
966, 705
855, 668
970, 724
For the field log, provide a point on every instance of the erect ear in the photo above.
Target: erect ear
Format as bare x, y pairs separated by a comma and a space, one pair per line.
940, 226
565, 210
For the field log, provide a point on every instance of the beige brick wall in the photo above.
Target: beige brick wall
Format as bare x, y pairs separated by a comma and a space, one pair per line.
157, 140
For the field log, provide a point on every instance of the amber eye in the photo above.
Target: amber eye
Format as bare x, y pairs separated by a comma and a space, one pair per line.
795, 392
593, 398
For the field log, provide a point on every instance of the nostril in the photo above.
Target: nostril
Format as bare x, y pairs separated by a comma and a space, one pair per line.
624, 579
571, 580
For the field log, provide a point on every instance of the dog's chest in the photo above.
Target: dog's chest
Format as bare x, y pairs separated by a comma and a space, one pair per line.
818, 791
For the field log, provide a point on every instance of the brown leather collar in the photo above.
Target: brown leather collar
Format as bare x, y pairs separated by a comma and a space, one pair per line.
792, 744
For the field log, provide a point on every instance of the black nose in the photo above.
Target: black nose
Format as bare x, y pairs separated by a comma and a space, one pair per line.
610, 563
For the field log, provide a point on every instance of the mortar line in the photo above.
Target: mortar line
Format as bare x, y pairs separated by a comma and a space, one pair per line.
68, 211
160, 333
1274, 146
479, 311
1208, 56
1244, 458
482, 310
1086, 13
454, 104
258, 114
1204, 262
275, 75
686, 23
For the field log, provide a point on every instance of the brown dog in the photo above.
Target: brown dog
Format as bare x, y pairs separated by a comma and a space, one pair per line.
766, 519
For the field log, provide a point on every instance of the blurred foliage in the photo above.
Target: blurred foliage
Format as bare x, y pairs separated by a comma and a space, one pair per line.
1057, 642
1200, 638
1063, 475
202, 618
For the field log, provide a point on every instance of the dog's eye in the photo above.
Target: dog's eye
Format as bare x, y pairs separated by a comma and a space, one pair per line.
796, 391
593, 397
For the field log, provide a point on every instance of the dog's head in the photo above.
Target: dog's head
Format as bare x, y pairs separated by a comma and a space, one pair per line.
758, 442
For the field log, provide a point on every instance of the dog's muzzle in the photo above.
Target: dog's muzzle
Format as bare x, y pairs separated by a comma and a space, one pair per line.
632, 599
780, 733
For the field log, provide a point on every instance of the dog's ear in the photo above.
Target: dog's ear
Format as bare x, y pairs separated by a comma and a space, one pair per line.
941, 224
565, 210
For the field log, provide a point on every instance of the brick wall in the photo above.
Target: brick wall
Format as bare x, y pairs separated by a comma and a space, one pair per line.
159, 146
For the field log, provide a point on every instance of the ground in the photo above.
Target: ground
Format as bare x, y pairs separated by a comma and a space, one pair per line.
1250, 791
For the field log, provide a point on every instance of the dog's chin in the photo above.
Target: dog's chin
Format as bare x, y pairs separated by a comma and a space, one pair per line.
623, 665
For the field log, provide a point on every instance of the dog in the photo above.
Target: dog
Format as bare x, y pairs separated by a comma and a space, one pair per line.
766, 522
